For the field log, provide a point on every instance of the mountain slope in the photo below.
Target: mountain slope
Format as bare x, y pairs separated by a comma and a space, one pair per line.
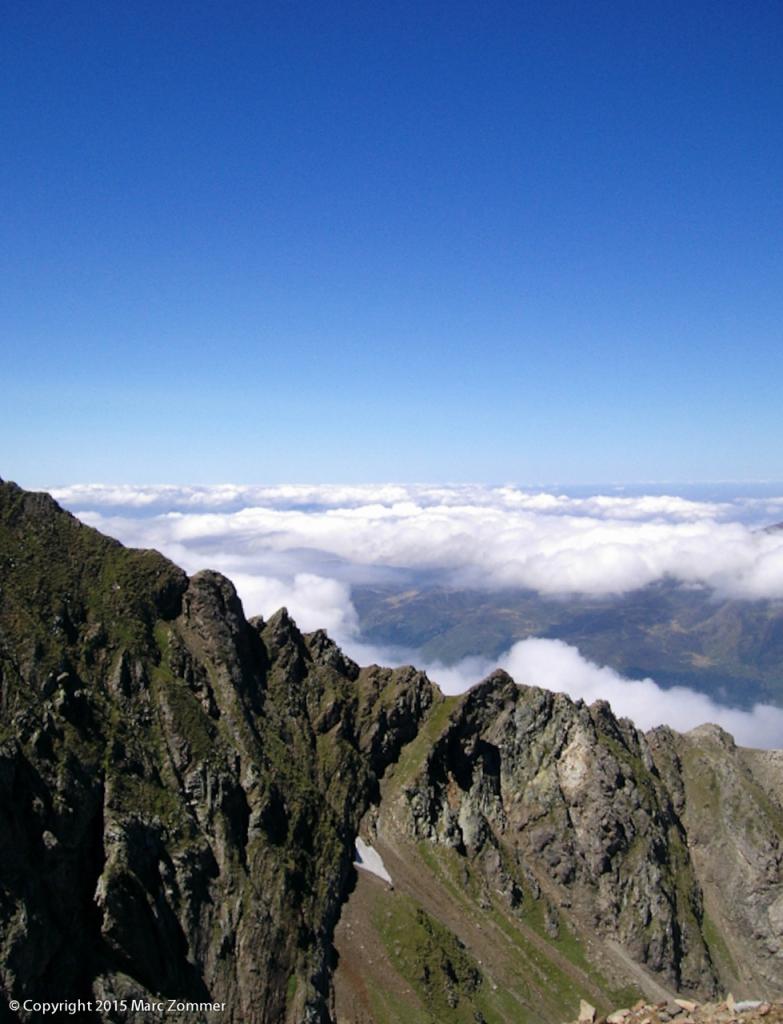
181, 791
572, 856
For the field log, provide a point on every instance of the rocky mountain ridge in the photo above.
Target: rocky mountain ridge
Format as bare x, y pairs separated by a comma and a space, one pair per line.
181, 791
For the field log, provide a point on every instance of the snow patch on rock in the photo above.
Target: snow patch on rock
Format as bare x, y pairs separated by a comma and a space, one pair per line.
369, 859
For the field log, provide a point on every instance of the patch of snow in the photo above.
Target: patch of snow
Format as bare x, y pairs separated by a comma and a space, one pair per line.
369, 859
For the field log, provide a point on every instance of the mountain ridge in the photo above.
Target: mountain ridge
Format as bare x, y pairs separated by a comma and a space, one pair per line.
192, 784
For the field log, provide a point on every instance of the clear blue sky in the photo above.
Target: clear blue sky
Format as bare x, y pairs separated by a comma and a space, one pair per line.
363, 241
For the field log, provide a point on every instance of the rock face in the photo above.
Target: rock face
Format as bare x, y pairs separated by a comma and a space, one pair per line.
181, 791
729, 801
525, 777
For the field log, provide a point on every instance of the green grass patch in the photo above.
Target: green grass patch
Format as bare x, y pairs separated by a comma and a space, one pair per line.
413, 754
430, 957
719, 951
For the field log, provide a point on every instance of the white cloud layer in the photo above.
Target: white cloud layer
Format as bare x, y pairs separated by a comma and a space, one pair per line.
227, 497
472, 536
304, 547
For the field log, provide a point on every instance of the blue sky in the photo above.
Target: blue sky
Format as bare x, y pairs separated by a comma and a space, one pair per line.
402, 241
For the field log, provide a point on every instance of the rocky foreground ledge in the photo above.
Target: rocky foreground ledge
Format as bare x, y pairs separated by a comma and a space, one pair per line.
686, 1011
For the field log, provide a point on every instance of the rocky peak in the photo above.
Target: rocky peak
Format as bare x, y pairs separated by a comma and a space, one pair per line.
324, 651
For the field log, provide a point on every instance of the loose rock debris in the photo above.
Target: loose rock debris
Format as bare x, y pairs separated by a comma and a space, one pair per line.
686, 1011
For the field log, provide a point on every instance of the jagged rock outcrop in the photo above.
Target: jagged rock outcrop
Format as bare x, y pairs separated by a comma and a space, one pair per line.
181, 791
526, 779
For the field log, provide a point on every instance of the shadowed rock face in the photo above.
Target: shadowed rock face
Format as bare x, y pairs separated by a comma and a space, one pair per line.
181, 791
729, 802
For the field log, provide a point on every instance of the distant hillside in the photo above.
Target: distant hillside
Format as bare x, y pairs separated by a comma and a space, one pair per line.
681, 636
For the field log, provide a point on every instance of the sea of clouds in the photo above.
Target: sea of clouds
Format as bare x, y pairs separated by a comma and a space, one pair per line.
306, 546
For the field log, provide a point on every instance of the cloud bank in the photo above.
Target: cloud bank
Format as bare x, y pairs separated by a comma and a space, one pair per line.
471, 536
305, 546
